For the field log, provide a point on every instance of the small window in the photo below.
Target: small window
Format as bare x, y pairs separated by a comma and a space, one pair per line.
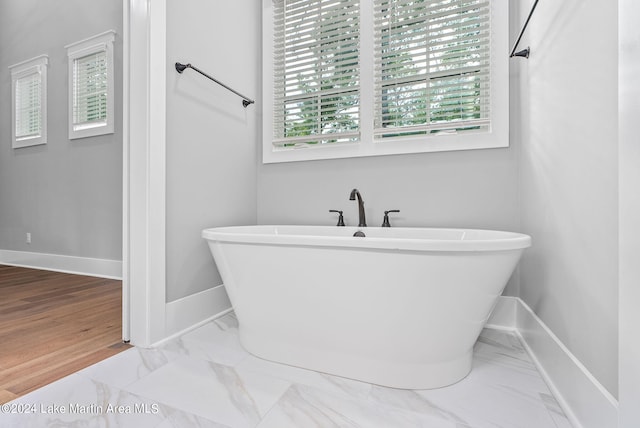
91, 90
29, 102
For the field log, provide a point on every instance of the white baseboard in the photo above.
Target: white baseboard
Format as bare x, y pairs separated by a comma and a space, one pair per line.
102, 268
584, 400
190, 312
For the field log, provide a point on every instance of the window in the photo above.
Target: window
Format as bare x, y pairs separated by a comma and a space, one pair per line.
431, 67
29, 102
316, 72
91, 92
363, 78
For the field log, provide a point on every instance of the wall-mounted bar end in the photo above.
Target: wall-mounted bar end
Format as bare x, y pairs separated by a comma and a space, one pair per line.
181, 67
523, 53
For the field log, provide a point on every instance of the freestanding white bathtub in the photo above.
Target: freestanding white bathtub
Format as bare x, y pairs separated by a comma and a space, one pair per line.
401, 307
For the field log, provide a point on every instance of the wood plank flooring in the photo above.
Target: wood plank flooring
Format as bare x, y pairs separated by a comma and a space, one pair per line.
53, 324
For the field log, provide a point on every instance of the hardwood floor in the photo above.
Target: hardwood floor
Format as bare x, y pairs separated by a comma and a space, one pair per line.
54, 324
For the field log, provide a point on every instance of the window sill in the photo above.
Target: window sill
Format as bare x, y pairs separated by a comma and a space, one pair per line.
90, 130
422, 144
29, 141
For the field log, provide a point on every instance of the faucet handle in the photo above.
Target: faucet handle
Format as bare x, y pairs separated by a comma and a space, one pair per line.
385, 221
340, 217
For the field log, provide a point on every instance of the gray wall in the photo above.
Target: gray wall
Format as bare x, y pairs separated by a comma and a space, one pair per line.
211, 138
569, 178
474, 188
67, 194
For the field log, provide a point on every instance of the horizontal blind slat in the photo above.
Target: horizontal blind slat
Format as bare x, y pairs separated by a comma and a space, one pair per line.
28, 102
90, 82
316, 63
433, 127
431, 66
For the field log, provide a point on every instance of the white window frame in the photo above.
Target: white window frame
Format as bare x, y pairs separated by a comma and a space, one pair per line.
100, 43
37, 65
497, 136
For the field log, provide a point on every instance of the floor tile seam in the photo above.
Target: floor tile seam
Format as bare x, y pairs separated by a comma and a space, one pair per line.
174, 406
291, 386
522, 394
205, 358
367, 400
167, 352
128, 384
167, 404
420, 414
204, 342
550, 416
116, 391
273, 406
265, 374
445, 417
518, 335
524, 349
480, 418
559, 414
529, 372
168, 418
243, 359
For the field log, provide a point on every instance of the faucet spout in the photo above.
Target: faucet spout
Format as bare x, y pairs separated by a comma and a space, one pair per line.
362, 221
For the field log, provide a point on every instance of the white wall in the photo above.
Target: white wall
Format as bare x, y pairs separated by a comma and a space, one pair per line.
568, 176
211, 139
67, 193
629, 159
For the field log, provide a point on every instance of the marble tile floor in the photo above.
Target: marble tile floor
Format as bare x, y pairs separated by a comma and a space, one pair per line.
205, 379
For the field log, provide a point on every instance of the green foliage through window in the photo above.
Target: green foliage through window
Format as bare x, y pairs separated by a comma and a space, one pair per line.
28, 101
317, 71
90, 88
432, 66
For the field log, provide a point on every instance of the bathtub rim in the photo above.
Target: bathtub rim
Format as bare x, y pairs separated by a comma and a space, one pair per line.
269, 235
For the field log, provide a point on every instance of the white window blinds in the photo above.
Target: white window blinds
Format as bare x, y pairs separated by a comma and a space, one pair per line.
29, 102
28, 105
432, 66
316, 72
90, 77
91, 86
